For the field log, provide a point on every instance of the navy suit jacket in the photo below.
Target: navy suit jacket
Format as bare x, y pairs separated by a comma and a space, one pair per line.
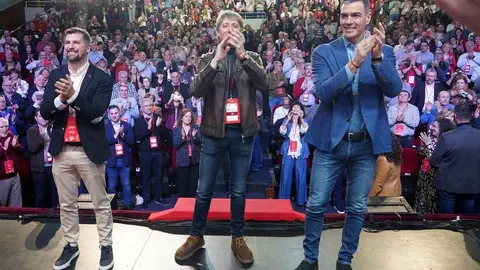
333, 88
127, 141
456, 157
90, 107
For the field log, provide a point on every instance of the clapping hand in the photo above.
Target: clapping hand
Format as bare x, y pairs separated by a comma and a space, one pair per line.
425, 138
194, 132
159, 121
7, 143
363, 49
15, 141
428, 106
64, 87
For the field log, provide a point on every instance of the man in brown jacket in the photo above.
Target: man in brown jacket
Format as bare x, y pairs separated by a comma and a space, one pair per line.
227, 80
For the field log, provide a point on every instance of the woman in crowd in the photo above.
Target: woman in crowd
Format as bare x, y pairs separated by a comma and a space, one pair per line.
460, 90
425, 194
187, 141
295, 153
386, 181
10, 153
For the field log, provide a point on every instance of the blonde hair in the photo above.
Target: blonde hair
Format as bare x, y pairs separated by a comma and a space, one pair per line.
4, 120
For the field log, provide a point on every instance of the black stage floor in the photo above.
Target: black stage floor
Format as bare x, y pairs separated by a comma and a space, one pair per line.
36, 246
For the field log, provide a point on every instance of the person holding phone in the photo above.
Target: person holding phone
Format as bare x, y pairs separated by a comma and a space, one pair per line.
76, 98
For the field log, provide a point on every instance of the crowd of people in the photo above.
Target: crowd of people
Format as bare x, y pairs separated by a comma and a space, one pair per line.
152, 51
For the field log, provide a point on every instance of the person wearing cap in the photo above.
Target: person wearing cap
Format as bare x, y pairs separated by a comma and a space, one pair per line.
403, 119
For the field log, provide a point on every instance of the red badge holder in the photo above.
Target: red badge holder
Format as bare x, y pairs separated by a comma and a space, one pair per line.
71, 131
466, 68
189, 150
199, 120
153, 142
411, 79
48, 157
8, 165
280, 91
293, 146
306, 97
232, 108
232, 111
426, 165
399, 129
119, 149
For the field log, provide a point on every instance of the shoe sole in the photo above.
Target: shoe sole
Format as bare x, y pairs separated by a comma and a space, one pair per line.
240, 259
189, 254
67, 264
108, 267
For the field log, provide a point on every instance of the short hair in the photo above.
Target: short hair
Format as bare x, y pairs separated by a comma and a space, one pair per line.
78, 30
122, 85
113, 106
5, 121
228, 14
464, 110
366, 4
431, 70
408, 42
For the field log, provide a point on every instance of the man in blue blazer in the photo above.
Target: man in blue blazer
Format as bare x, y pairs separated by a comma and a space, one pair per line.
351, 75
120, 138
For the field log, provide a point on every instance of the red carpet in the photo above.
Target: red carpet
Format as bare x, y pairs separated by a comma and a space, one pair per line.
255, 209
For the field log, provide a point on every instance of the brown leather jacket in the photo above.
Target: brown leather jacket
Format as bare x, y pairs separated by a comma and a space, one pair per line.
212, 85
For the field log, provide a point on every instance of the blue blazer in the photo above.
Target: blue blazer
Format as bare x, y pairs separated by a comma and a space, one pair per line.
304, 152
330, 122
127, 141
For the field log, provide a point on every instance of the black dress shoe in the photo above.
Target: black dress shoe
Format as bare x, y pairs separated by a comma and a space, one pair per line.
341, 266
304, 265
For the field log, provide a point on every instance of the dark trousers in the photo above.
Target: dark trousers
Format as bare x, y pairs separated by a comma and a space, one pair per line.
449, 202
211, 157
406, 141
46, 195
187, 181
151, 167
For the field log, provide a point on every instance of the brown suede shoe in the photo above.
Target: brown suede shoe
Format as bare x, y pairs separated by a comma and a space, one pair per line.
241, 250
191, 245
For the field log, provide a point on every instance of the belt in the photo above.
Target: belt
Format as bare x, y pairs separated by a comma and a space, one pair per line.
357, 136
73, 143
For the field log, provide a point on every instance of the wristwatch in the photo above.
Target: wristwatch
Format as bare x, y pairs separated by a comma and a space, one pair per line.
377, 59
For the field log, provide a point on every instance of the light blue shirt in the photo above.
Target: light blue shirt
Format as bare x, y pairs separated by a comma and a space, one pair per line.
356, 123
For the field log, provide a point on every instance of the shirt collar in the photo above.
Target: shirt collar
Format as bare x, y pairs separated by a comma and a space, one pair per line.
348, 43
80, 71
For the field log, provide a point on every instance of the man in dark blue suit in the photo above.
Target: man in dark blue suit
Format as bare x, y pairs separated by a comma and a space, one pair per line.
351, 75
120, 138
458, 152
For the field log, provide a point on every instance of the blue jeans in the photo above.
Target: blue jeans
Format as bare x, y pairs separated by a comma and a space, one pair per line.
272, 102
257, 158
359, 161
288, 165
449, 203
211, 158
124, 172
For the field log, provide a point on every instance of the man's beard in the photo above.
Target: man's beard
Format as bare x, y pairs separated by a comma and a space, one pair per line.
75, 58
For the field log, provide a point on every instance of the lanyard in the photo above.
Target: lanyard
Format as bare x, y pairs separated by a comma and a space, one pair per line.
230, 90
